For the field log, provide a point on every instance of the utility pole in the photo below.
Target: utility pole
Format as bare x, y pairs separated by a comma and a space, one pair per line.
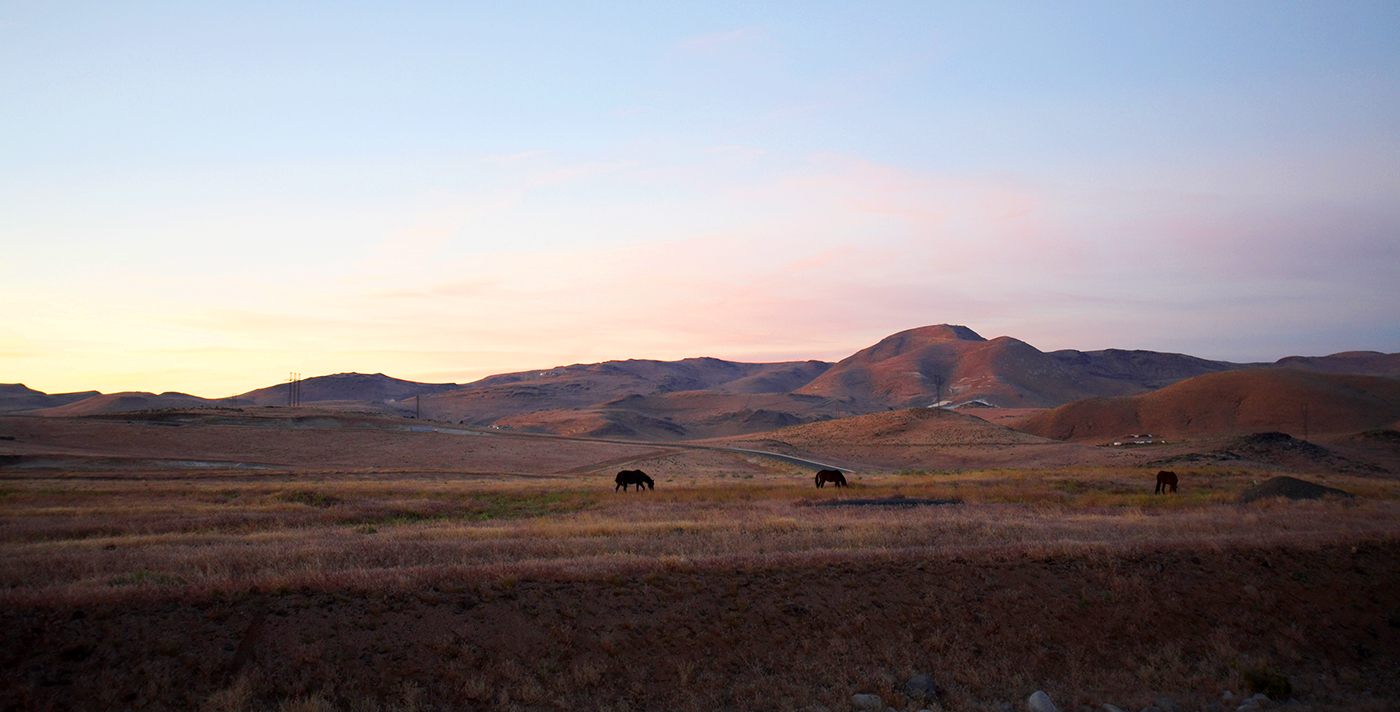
938, 386
418, 407
1305, 422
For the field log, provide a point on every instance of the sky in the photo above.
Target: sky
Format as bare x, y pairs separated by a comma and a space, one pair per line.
205, 197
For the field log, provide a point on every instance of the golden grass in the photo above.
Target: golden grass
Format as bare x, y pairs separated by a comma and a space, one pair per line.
70, 542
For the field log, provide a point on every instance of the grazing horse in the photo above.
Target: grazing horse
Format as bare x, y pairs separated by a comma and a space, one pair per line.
1165, 480
831, 476
634, 477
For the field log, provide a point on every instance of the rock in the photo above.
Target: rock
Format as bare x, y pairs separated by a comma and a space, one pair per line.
1213, 707
921, 688
1151, 709
1111, 708
1293, 702
869, 703
1166, 704
1257, 702
1040, 702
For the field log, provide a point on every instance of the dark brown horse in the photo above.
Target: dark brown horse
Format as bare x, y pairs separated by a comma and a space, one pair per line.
1165, 480
826, 476
634, 477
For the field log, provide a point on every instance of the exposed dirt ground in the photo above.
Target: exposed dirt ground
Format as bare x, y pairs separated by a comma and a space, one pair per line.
1087, 629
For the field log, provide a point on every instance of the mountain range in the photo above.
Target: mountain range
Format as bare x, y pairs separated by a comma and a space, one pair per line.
946, 365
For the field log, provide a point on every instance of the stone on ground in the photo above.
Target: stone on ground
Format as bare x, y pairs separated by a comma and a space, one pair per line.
1040, 702
868, 703
921, 688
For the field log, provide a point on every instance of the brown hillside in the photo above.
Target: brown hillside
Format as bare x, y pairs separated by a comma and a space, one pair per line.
585, 386
912, 426
686, 415
125, 402
343, 388
1230, 403
1369, 363
922, 438
16, 397
899, 371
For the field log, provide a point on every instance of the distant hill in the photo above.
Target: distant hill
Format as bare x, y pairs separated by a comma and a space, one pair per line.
1146, 370
1231, 403
589, 386
708, 397
343, 388
16, 397
686, 415
124, 403
908, 427
899, 371
1367, 363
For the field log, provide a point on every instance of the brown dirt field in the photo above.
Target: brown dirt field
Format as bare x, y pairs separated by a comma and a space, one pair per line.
1086, 628
310, 439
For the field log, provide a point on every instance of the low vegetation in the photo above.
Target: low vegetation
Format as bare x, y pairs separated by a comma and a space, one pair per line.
121, 537
750, 592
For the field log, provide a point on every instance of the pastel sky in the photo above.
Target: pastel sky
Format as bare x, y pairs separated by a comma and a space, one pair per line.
203, 197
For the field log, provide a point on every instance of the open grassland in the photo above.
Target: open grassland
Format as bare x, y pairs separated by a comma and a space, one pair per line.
120, 537
734, 585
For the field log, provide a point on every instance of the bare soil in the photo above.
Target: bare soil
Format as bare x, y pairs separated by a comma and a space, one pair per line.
1087, 629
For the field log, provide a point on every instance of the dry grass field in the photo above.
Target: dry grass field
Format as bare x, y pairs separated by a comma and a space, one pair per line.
443, 572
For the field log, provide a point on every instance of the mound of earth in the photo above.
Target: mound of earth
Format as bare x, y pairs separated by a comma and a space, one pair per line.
1275, 449
1292, 488
1282, 449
